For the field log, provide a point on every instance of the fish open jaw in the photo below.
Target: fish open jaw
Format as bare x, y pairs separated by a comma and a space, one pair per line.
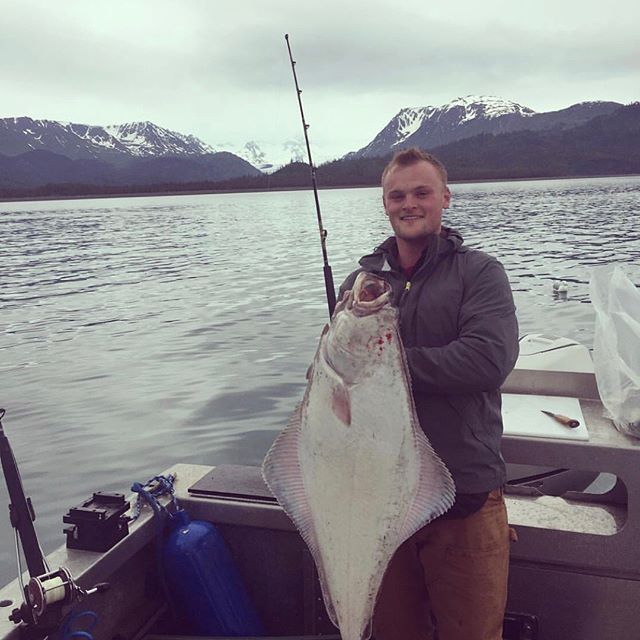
370, 293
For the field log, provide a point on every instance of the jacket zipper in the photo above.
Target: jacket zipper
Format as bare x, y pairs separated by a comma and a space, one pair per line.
403, 297
407, 288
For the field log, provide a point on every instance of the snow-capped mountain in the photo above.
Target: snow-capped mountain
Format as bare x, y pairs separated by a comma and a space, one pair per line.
472, 107
40, 152
120, 142
268, 156
82, 141
148, 139
402, 126
430, 127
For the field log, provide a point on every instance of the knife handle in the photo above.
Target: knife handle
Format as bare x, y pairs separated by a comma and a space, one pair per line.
567, 422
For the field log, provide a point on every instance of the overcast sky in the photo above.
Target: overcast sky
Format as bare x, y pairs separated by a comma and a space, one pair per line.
219, 69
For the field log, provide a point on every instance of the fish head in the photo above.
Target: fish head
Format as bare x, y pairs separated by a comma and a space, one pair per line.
370, 294
363, 326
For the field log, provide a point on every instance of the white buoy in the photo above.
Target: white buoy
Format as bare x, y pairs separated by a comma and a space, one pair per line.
560, 289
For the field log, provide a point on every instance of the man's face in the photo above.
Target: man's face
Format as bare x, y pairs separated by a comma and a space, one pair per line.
414, 198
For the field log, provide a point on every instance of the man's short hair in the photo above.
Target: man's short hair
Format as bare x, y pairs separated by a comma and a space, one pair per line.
407, 157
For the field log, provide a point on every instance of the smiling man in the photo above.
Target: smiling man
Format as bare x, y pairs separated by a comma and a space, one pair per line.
414, 196
459, 330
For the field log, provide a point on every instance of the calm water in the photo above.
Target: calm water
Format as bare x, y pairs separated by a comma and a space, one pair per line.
137, 332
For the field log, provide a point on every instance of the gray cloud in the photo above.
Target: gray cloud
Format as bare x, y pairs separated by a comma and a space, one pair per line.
220, 70
373, 59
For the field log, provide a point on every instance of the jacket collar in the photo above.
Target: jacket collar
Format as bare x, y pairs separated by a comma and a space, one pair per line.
385, 256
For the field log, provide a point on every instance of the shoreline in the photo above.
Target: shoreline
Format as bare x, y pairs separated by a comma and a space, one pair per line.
147, 194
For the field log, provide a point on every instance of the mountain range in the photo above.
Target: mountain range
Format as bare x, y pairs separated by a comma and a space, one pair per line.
89, 142
121, 142
38, 152
34, 153
430, 127
607, 144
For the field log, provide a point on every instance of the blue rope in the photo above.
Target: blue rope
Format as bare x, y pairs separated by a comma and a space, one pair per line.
69, 633
150, 492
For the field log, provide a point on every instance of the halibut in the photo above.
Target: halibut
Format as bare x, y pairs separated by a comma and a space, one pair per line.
353, 469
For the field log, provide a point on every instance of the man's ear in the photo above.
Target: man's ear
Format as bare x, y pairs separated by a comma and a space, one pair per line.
384, 206
447, 198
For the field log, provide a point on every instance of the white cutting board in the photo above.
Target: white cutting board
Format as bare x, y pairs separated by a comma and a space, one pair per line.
522, 416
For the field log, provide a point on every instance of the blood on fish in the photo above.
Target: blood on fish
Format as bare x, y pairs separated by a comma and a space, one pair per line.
341, 404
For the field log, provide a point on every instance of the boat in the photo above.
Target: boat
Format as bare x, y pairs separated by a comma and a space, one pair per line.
539, 352
574, 569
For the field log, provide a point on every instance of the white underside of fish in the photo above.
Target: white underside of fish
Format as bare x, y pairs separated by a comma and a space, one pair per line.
356, 474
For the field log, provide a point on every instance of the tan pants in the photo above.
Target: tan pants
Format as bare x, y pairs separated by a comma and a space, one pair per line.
449, 580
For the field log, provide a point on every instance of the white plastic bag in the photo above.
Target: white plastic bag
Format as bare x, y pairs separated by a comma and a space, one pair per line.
616, 347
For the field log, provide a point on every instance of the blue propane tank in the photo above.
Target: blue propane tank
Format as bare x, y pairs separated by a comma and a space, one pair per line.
208, 594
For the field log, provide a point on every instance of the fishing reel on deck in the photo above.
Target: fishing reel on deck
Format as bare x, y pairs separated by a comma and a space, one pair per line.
47, 592
56, 589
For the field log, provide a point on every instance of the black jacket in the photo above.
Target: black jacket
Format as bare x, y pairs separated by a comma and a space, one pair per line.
460, 333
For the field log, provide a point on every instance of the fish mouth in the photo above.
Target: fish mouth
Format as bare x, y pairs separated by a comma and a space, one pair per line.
370, 293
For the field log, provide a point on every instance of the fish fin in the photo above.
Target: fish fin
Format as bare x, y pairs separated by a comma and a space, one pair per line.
281, 466
436, 490
309, 375
435, 493
282, 474
341, 403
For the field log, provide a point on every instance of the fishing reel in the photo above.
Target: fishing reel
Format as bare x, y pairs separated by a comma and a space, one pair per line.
51, 591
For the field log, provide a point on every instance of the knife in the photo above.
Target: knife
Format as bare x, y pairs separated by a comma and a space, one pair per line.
567, 422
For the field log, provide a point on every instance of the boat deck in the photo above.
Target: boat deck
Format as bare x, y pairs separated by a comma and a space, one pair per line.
575, 567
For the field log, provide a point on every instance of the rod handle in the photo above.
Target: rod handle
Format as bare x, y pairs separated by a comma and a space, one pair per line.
328, 285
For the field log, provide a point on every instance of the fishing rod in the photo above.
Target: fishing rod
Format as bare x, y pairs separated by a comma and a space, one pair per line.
328, 276
21, 512
47, 592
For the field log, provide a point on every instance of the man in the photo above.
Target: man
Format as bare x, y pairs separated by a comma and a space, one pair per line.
459, 329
